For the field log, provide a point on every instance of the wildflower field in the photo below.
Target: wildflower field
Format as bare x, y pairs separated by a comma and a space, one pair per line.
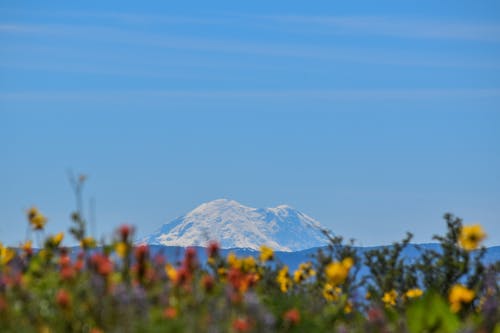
122, 287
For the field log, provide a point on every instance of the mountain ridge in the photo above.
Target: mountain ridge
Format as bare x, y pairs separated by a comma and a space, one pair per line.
234, 225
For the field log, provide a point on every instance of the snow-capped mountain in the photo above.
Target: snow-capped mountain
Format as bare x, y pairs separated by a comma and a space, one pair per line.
234, 225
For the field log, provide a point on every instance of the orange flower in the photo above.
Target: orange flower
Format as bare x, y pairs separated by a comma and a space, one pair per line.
171, 272
67, 273
63, 298
102, 264
235, 278
292, 316
241, 324
170, 312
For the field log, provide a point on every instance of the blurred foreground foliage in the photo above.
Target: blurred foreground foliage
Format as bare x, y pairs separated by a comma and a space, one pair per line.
122, 287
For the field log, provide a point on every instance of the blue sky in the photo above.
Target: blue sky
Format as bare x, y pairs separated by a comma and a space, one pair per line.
375, 118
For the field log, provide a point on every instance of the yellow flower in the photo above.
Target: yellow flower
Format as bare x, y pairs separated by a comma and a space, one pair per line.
471, 236
233, 260
115, 278
248, 264
347, 263
414, 293
389, 298
32, 212
36, 219
27, 246
44, 329
266, 253
299, 276
57, 239
88, 242
171, 272
222, 273
304, 272
459, 294
121, 249
307, 268
6, 254
44, 254
284, 280
348, 307
331, 293
336, 272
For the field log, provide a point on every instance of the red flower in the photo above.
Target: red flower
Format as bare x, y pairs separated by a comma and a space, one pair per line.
64, 260
241, 324
105, 267
170, 312
292, 316
208, 283
125, 231
141, 252
375, 315
235, 297
190, 253
63, 298
102, 264
78, 265
190, 259
3, 304
251, 279
159, 260
183, 276
213, 249
67, 273
235, 277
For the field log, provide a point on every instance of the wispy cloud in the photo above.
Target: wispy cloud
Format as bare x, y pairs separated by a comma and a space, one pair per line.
126, 17
289, 95
396, 27
326, 52
402, 27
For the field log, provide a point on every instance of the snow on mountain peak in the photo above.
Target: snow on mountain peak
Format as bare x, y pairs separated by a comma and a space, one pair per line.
234, 225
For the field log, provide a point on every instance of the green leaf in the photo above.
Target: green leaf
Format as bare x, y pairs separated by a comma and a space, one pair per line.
431, 314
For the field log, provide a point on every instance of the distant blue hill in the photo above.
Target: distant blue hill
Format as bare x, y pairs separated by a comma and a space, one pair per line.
293, 259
